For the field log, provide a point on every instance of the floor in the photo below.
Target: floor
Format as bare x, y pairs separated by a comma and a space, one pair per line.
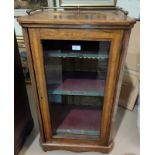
126, 135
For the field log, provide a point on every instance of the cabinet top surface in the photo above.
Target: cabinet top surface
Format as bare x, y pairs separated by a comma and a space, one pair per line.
76, 17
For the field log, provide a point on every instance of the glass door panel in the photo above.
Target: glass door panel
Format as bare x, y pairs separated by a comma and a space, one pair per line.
75, 77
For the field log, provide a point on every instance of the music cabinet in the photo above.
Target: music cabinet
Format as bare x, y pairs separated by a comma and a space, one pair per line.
76, 58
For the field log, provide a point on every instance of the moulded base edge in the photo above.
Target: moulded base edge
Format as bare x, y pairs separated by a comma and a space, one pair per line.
49, 146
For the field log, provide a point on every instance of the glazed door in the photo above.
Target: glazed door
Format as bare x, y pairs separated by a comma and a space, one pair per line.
76, 73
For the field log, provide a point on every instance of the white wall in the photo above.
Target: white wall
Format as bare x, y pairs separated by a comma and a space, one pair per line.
132, 6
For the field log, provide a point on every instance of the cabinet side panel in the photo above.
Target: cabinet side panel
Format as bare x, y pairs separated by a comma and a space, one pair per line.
125, 42
33, 79
110, 88
40, 78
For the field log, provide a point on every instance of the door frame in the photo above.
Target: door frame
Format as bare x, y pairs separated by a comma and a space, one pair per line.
115, 36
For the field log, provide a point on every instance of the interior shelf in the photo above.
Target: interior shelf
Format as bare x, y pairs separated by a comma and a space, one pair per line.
76, 54
70, 119
84, 87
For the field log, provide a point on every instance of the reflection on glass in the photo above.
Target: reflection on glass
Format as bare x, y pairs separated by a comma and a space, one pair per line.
75, 77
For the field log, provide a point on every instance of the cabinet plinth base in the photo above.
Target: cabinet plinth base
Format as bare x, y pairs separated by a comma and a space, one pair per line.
76, 147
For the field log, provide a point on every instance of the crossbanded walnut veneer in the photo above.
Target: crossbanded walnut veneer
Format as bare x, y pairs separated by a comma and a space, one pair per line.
76, 58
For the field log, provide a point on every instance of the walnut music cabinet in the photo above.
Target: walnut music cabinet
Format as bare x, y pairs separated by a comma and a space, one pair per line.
76, 58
